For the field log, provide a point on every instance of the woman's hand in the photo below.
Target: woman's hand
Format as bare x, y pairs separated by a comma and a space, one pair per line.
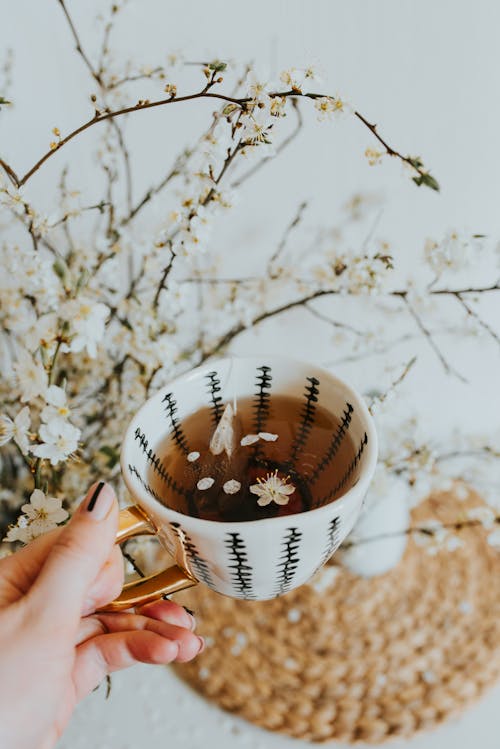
54, 649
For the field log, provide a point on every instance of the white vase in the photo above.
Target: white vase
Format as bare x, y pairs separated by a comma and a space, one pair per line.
386, 518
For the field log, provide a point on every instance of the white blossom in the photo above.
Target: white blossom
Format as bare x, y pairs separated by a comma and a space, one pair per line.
328, 107
31, 376
41, 514
272, 489
60, 440
257, 126
57, 406
18, 430
88, 320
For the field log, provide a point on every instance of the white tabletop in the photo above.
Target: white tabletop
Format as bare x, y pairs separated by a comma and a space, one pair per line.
151, 703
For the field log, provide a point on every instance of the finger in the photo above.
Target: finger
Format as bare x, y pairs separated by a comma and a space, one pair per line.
107, 585
100, 656
189, 643
76, 557
169, 612
18, 571
105, 653
164, 611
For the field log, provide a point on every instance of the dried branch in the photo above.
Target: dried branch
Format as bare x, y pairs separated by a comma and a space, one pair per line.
165, 275
284, 239
149, 194
446, 366
334, 323
126, 164
79, 47
472, 313
111, 86
381, 398
423, 530
71, 214
10, 173
240, 327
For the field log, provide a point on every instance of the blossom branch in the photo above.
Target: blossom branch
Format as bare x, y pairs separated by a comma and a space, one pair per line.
242, 102
282, 146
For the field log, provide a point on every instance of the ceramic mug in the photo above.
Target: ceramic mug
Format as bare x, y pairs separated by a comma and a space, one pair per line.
256, 559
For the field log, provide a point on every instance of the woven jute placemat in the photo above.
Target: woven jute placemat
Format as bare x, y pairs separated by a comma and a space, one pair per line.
360, 660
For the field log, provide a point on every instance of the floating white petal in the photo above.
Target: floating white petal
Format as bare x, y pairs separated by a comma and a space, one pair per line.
193, 456
249, 439
223, 437
232, 486
205, 483
268, 436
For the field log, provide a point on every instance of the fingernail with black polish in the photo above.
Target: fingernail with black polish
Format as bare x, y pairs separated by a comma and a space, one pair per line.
95, 496
100, 501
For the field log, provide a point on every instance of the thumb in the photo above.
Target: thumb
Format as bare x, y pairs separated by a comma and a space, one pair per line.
78, 554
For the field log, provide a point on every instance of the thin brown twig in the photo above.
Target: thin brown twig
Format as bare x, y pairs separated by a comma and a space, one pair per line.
333, 323
10, 173
79, 47
112, 85
126, 163
467, 290
381, 398
149, 194
472, 313
70, 214
165, 275
284, 239
428, 335
104, 49
423, 530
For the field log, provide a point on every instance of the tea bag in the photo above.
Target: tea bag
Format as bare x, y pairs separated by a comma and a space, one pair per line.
224, 438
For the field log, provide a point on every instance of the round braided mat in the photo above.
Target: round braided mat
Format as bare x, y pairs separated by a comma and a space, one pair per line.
360, 660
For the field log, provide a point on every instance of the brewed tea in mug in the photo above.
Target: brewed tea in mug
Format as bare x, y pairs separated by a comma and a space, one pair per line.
294, 447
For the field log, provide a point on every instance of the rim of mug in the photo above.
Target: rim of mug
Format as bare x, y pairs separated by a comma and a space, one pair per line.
359, 488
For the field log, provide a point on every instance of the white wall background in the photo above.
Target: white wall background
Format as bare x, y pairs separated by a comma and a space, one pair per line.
428, 72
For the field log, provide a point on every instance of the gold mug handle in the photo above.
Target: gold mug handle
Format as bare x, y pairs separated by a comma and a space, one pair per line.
133, 522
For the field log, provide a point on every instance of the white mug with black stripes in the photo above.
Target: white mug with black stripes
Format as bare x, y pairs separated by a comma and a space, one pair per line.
253, 559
